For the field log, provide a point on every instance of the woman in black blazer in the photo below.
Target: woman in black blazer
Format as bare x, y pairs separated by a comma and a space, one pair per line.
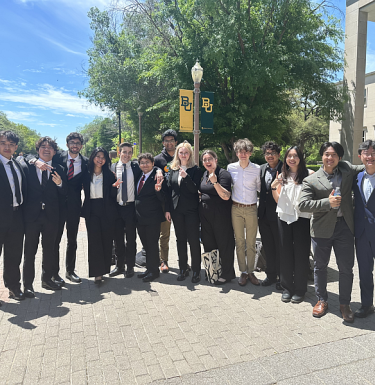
182, 207
99, 210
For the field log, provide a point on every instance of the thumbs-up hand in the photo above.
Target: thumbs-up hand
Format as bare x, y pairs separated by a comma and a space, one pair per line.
334, 201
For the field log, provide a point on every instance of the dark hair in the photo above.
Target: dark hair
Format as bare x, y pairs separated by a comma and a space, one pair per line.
271, 146
10, 136
336, 146
302, 171
125, 144
243, 145
106, 168
169, 133
74, 135
145, 155
47, 139
362, 147
209, 152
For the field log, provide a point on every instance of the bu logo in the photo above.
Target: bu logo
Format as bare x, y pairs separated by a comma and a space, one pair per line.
185, 103
206, 105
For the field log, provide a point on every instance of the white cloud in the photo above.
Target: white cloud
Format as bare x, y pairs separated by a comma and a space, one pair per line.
20, 115
62, 46
46, 124
32, 70
67, 72
75, 116
5, 81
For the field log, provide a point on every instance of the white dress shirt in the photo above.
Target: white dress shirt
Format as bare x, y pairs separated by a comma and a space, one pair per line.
77, 164
129, 180
368, 185
146, 177
96, 187
8, 171
245, 182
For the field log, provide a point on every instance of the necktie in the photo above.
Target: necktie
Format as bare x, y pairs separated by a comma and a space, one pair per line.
44, 178
16, 182
71, 169
124, 186
141, 183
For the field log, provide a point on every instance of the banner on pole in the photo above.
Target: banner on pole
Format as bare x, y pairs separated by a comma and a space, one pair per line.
207, 113
186, 111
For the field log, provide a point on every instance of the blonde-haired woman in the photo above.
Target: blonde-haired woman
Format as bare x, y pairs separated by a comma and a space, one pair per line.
182, 208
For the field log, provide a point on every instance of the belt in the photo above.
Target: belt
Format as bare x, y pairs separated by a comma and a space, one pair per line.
127, 204
241, 205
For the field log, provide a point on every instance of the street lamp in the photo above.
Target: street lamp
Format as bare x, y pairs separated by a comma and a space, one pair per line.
119, 127
140, 113
196, 74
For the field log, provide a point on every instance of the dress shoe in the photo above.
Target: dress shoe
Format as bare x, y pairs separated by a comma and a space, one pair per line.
286, 296
268, 281
16, 294
320, 309
297, 298
183, 274
58, 280
196, 277
364, 311
117, 271
129, 272
242, 281
29, 292
50, 285
347, 313
144, 274
253, 279
150, 277
164, 267
73, 277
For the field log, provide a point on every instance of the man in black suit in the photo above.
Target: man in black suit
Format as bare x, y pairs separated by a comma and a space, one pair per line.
12, 196
46, 191
149, 202
74, 165
129, 173
267, 217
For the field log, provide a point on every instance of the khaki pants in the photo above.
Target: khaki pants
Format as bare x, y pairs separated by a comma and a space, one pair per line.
245, 218
165, 230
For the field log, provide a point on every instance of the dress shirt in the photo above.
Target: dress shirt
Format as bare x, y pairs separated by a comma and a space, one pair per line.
96, 186
335, 181
146, 177
270, 174
368, 184
129, 179
11, 180
77, 164
245, 182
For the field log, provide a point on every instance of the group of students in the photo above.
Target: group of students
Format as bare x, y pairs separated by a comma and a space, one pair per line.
42, 195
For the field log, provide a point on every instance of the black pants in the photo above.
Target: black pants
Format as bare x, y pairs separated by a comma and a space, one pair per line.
217, 233
100, 232
295, 243
149, 235
269, 233
11, 241
186, 225
33, 230
126, 224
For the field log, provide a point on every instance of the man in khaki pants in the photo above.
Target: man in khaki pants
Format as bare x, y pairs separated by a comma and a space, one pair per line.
245, 184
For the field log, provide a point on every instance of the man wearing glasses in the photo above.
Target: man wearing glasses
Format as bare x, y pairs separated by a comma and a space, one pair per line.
267, 217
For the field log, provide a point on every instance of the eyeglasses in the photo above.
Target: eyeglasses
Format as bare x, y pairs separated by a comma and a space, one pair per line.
208, 160
169, 141
46, 147
5, 144
75, 144
273, 153
368, 155
292, 156
145, 163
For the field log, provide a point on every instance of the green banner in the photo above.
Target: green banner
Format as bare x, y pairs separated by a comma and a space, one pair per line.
207, 113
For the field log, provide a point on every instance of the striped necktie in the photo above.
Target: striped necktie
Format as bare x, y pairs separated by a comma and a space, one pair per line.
71, 169
141, 183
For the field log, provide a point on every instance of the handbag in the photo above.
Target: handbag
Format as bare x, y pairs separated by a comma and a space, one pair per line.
212, 264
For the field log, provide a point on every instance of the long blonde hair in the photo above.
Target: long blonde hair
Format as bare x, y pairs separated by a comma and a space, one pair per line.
176, 164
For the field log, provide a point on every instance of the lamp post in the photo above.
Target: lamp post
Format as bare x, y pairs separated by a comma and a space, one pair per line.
196, 74
140, 113
119, 127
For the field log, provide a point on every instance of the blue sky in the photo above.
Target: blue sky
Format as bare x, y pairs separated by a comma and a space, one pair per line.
43, 46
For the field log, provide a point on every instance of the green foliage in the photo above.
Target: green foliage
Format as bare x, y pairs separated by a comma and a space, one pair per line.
314, 167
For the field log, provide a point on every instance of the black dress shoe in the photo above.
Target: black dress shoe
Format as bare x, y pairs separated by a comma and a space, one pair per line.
129, 272
286, 296
50, 285
297, 298
144, 274
16, 294
196, 277
183, 274
364, 311
29, 292
57, 279
150, 277
73, 277
268, 281
117, 271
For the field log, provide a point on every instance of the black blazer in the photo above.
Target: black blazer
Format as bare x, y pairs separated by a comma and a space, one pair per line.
135, 168
149, 202
51, 195
267, 205
109, 196
6, 195
184, 196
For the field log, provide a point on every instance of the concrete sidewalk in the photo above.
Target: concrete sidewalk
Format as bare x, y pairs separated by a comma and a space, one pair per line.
130, 332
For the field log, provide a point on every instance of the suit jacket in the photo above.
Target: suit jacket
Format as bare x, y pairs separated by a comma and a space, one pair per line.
51, 195
267, 205
364, 212
149, 202
315, 199
184, 196
6, 195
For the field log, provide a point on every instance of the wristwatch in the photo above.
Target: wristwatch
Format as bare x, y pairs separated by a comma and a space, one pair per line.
214, 183
274, 188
